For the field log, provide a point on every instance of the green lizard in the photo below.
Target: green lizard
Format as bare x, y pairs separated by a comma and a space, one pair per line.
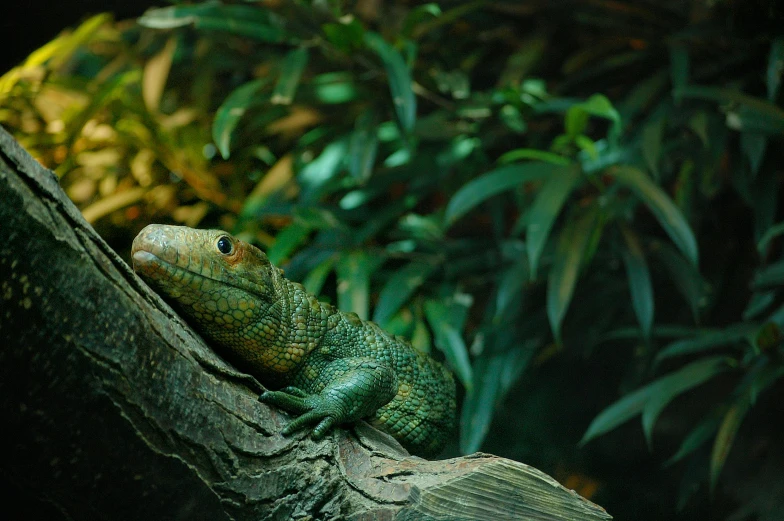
337, 368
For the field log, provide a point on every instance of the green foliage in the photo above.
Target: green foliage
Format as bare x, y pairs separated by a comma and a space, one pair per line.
515, 201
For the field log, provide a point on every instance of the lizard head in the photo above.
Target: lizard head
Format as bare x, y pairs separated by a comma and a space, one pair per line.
219, 282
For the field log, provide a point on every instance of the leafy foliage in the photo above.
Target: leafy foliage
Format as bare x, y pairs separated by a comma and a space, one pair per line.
512, 198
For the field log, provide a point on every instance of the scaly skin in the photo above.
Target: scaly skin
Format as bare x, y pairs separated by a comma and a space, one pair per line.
338, 368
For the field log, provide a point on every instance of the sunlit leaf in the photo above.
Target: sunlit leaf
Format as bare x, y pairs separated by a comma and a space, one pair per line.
639, 277
156, 73
663, 208
494, 182
399, 289
241, 20
293, 65
675, 384
545, 210
566, 266
231, 111
400, 82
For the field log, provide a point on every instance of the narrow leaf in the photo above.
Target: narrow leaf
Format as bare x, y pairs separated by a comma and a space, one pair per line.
675, 384
563, 275
399, 289
231, 111
354, 270
363, 147
545, 210
640, 284
663, 209
532, 153
400, 82
241, 20
651, 145
494, 182
707, 341
770, 234
775, 68
287, 241
726, 436
684, 274
294, 64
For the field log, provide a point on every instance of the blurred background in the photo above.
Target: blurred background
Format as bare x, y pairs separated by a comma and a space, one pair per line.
574, 204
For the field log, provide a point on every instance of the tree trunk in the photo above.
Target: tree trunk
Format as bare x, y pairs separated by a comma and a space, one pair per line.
115, 409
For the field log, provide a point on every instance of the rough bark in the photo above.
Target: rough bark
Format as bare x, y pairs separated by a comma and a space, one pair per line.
114, 409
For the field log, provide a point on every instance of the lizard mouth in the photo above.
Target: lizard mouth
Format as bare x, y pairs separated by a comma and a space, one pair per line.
154, 268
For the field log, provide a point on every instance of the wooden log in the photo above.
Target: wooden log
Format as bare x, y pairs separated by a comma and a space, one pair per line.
115, 409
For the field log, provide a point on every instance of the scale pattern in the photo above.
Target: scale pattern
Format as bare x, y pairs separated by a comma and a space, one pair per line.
336, 367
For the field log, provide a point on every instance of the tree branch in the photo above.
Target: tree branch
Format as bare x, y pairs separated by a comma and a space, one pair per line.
116, 409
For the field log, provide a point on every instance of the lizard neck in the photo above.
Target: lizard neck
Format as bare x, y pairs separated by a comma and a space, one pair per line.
288, 331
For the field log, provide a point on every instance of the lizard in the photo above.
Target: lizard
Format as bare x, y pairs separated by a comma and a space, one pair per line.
331, 367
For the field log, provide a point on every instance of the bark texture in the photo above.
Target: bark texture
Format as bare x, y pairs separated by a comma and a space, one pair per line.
113, 408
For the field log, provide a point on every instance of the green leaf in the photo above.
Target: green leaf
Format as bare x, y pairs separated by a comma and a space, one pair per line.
769, 276
679, 69
663, 209
566, 267
753, 114
354, 271
480, 403
726, 436
294, 64
400, 82
363, 146
770, 234
636, 402
696, 438
754, 145
675, 384
758, 302
707, 341
241, 20
544, 211
318, 275
399, 289
651, 145
346, 36
494, 182
775, 68
450, 341
287, 241
488, 390
231, 111
532, 153
684, 274
640, 284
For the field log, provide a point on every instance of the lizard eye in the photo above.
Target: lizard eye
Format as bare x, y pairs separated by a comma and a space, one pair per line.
225, 245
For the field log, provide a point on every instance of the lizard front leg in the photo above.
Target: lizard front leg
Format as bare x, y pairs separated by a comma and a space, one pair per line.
350, 389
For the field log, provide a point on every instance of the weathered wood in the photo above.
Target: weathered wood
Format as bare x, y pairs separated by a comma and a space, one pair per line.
115, 409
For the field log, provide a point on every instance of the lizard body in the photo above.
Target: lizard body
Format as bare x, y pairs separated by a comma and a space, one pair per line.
337, 368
